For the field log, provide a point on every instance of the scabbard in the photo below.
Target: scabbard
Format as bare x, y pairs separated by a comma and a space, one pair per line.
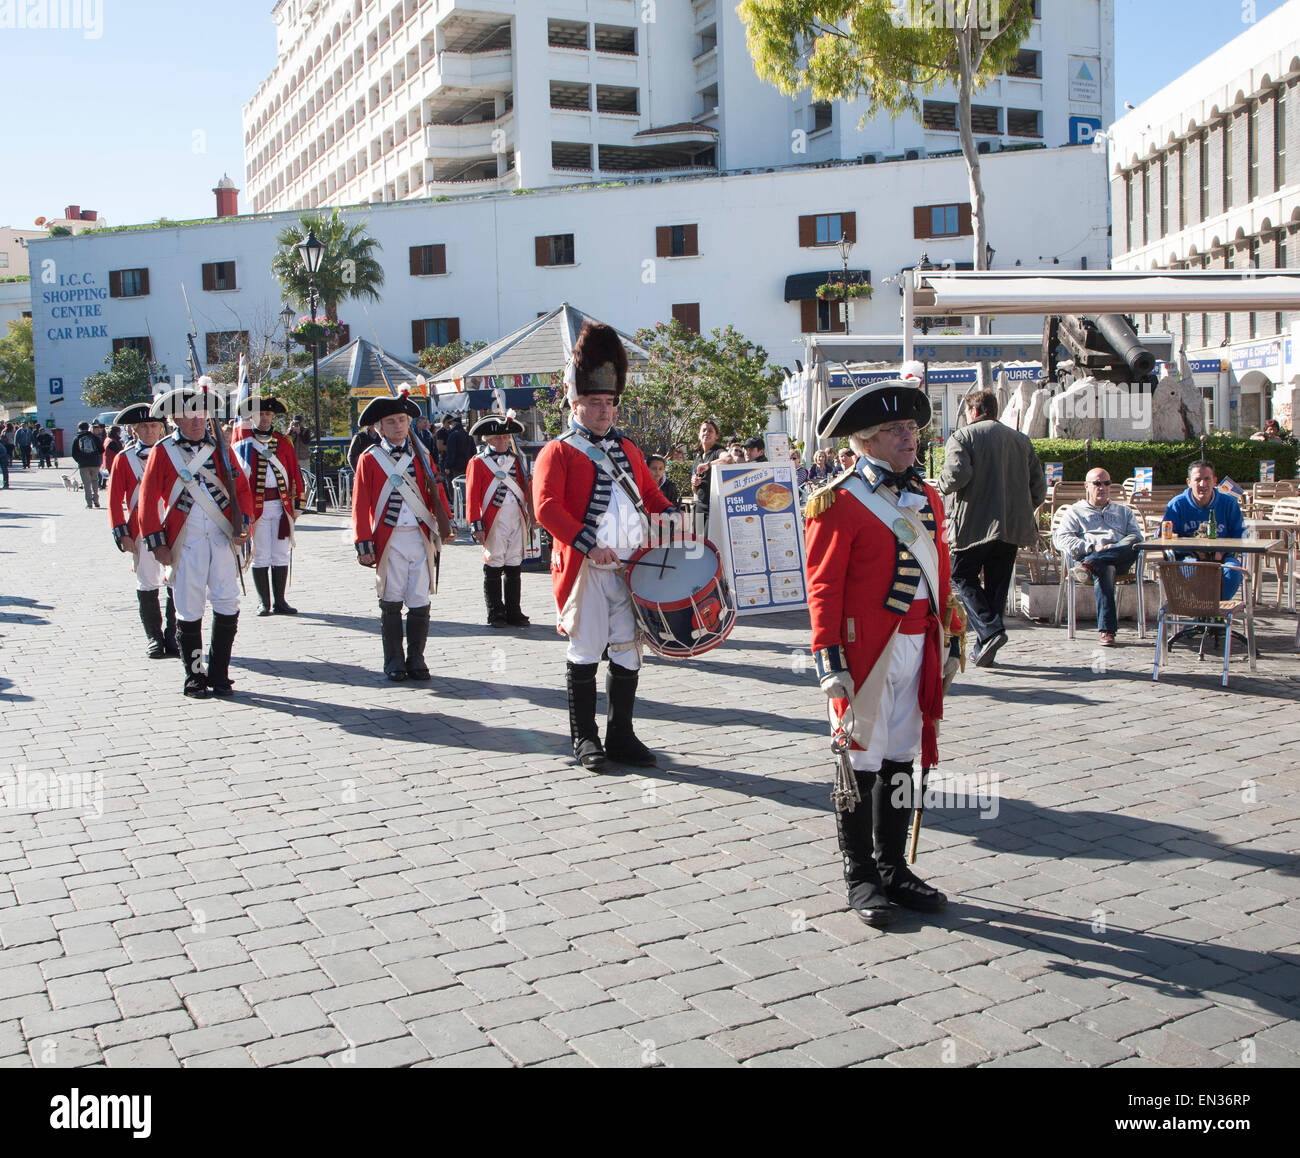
914, 835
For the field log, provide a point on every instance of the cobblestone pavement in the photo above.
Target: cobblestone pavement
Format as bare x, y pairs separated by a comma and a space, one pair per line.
332, 870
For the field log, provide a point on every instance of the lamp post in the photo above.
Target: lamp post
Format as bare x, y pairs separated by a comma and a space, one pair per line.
312, 251
922, 266
845, 247
286, 317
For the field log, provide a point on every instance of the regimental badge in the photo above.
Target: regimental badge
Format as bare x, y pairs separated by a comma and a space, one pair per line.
905, 531
186, 476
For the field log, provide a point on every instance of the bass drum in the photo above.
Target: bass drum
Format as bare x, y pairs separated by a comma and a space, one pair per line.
682, 603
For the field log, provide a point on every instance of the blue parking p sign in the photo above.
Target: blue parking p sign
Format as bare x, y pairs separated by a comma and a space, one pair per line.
1083, 129
56, 387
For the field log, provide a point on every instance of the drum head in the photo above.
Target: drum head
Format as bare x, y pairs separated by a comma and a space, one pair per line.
668, 574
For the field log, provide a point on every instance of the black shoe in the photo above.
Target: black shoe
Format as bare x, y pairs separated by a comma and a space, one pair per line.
580, 679
262, 583
196, 687
891, 796
621, 743
279, 580
986, 651
907, 889
589, 754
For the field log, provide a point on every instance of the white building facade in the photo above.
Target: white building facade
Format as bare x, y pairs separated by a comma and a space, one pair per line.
1206, 175
746, 250
377, 101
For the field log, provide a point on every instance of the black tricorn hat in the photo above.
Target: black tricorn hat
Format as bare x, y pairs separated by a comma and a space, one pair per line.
387, 405
491, 424
259, 402
599, 360
202, 397
874, 405
136, 412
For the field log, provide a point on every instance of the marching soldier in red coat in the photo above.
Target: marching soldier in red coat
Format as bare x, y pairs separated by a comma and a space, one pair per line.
124, 507
195, 519
594, 494
400, 517
885, 626
271, 467
498, 504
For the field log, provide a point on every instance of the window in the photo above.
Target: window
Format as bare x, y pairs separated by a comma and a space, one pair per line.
821, 116
688, 314
4, 261
570, 95
219, 275
941, 116
434, 332
569, 155
128, 283
941, 221
613, 98
1203, 148
1184, 217
1279, 140
616, 38
226, 346
141, 346
986, 120
1128, 212
1164, 196
428, 260
1252, 153
1024, 123
566, 34
1028, 65
820, 317
556, 249
1227, 162
677, 241
827, 228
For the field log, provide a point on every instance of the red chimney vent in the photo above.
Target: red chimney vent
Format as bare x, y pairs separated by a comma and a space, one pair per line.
227, 197
73, 213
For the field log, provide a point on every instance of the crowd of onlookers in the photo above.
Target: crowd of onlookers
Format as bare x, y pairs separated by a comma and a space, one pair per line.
20, 442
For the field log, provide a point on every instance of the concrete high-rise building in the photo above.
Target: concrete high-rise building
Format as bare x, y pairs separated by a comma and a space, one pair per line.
385, 100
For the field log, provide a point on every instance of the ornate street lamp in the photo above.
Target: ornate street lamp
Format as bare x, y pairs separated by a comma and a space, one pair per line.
286, 318
312, 251
845, 246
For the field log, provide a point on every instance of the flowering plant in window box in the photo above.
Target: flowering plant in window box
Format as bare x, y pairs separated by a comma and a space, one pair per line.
840, 291
309, 331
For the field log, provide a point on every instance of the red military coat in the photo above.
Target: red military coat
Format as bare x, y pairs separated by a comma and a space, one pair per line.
478, 479
562, 497
248, 450
851, 558
124, 495
369, 530
156, 489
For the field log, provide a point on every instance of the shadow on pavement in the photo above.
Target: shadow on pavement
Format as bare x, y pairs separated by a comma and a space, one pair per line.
9, 697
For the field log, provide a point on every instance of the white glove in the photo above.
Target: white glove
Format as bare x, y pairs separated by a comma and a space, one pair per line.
836, 686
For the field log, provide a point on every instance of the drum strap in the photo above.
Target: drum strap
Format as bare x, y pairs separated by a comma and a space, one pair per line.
609, 468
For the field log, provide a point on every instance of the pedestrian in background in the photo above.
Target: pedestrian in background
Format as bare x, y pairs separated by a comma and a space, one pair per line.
44, 440
23, 440
994, 484
88, 453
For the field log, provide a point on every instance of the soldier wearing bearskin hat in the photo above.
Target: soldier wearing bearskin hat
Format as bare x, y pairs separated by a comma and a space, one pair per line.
498, 503
594, 494
195, 513
124, 480
886, 632
400, 517
271, 466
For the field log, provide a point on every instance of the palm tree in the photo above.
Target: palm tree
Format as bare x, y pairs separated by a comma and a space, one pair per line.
348, 268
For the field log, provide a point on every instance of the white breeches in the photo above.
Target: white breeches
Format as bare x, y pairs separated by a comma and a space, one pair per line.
205, 570
504, 545
148, 571
406, 568
268, 549
896, 734
605, 618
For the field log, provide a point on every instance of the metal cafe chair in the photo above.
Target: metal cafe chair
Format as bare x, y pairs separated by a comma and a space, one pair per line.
1192, 599
309, 482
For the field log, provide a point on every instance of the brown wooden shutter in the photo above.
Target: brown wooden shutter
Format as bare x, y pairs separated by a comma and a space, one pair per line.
664, 241
209, 276
692, 240
688, 314
807, 231
453, 329
114, 283
808, 316
542, 250
964, 227
439, 259
144, 282
417, 336
230, 276
417, 266
849, 225
921, 221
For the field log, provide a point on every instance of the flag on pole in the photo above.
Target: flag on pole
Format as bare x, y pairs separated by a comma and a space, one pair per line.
243, 391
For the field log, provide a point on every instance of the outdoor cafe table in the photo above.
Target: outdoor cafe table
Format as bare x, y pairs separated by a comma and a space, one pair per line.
1190, 545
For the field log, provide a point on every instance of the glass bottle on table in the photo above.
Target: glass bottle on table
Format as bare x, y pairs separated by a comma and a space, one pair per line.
1212, 525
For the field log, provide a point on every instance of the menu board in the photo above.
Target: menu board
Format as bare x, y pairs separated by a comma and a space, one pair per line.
756, 523
1053, 472
1144, 478
1266, 469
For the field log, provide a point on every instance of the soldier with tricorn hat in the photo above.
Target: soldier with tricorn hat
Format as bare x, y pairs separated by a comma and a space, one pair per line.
124, 507
400, 518
886, 630
195, 512
499, 506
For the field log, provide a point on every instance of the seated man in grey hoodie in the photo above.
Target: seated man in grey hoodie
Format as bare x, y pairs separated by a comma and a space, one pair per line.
1100, 538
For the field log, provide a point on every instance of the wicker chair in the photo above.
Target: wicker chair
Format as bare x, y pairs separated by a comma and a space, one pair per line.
1192, 599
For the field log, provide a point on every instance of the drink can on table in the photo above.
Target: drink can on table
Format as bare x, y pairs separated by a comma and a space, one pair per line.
1166, 530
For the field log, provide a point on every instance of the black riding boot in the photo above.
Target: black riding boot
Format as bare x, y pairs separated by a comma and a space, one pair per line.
515, 616
189, 636
262, 581
621, 743
891, 799
496, 605
151, 617
170, 646
279, 578
417, 633
223, 639
581, 680
391, 628
866, 891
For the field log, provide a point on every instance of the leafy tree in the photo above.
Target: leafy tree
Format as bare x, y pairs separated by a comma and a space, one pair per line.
348, 270
18, 363
435, 359
294, 390
125, 380
891, 52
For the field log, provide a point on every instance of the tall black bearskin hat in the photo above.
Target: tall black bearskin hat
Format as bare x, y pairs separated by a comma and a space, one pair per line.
599, 362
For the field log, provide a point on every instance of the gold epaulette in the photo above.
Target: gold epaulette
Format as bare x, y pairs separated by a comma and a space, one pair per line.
819, 502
